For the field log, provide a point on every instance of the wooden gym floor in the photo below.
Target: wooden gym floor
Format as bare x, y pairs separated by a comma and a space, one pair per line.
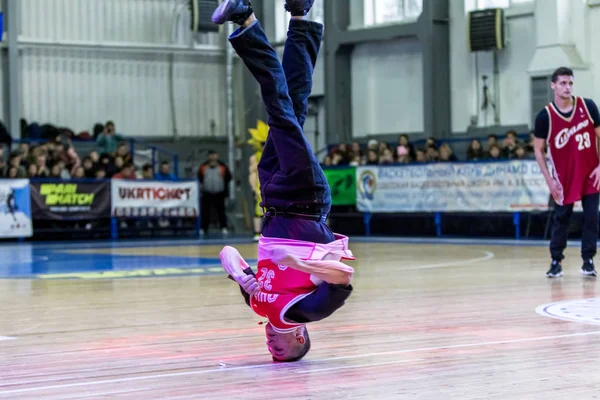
428, 320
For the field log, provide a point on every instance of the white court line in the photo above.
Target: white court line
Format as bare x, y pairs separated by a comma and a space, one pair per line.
488, 256
7, 338
358, 366
250, 367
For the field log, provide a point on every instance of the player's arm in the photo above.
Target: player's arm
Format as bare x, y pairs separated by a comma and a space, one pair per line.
595, 115
330, 271
593, 110
542, 127
542, 130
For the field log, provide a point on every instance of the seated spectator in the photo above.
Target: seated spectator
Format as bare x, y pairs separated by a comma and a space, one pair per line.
495, 153
124, 153
522, 154
327, 162
100, 174
431, 142
13, 173
147, 172
108, 140
432, 154
382, 147
107, 164
56, 172
15, 161
42, 167
95, 157
119, 163
509, 145
372, 145
403, 141
23, 150
356, 161
492, 140
372, 157
356, 150
64, 173
336, 158
386, 157
32, 171
475, 151
403, 154
446, 154
89, 168
342, 151
420, 156
128, 172
164, 173
79, 173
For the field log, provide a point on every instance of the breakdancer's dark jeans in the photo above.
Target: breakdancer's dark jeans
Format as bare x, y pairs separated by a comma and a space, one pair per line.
289, 173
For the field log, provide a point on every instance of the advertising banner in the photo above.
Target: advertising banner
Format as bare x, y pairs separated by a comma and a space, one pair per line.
132, 198
452, 187
70, 200
342, 182
15, 208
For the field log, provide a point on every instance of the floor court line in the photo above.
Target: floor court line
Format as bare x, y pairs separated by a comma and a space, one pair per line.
251, 367
488, 256
233, 241
7, 338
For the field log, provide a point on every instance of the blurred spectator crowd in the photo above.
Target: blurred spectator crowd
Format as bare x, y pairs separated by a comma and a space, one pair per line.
404, 152
58, 159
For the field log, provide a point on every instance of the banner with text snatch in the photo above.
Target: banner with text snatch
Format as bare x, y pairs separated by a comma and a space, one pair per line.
499, 186
154, 199
342, 182
73, 200
15, 209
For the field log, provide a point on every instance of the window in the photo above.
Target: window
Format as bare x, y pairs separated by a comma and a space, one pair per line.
471, 5
282, 18
388, 11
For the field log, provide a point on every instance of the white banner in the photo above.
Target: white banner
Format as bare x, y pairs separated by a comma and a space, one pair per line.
132, 198
15, 208
495, 186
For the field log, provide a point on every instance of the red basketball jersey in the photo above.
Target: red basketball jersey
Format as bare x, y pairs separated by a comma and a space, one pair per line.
281, 288
572, 150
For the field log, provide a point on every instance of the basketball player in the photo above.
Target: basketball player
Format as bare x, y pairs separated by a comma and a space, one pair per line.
569, 127
300, 277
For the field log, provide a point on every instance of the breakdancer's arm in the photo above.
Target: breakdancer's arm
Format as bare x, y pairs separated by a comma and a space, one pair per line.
239, 271
330, 271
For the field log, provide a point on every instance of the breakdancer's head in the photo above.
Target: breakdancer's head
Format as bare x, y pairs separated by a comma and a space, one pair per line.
288, 346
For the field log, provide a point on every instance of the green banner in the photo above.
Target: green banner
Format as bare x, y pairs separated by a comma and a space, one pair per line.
343, 185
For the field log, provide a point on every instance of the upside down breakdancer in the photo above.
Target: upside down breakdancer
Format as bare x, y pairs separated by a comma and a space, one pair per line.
300, 277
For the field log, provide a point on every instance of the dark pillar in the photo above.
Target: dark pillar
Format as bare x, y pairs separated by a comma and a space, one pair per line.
12, 79
254, 108
338, 82
434, 35
432, 29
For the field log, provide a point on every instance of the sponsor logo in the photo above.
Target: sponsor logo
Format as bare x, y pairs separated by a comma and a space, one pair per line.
154, 193
367, 183
64, 195
564, 135
582, 310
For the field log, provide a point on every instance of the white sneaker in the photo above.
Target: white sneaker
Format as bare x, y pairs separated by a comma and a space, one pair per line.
224, 232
